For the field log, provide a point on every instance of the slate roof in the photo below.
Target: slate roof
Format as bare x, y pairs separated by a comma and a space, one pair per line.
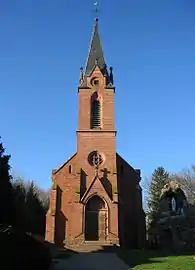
95, 53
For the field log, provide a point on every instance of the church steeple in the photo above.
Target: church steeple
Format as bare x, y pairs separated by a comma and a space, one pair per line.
95, 56
96, 91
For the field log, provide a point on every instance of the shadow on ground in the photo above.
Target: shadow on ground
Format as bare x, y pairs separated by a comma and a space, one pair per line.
130, 257
59, 253
138, 257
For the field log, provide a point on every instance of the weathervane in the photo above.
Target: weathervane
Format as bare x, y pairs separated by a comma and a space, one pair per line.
96, 9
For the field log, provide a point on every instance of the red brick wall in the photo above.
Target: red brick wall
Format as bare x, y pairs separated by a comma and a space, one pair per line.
131, 215
70, 212
107, 103
65, 218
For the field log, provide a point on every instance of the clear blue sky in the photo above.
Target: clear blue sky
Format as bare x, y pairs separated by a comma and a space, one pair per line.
151, 46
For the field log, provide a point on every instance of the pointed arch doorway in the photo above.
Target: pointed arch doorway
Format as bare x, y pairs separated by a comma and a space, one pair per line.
96, 219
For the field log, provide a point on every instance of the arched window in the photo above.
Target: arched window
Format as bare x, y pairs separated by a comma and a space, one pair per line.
95, 114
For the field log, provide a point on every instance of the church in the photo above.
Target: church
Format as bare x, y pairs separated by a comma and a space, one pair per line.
96, 194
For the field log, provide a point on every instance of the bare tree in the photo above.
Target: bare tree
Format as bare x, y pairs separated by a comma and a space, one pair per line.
43, 196
145, 191
186, 178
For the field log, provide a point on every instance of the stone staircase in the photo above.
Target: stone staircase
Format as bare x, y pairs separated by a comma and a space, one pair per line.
95, 246
88, 248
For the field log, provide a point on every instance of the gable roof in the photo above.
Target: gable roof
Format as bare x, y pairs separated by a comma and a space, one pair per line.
96, 178
137, 171
57, 170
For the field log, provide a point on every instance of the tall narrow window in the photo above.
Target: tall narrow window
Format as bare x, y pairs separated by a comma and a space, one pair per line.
70, 169
95, 114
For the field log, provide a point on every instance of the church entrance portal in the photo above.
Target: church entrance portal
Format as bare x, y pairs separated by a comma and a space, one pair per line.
96, 219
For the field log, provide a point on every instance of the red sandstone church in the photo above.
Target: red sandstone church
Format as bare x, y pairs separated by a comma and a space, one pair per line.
96, 195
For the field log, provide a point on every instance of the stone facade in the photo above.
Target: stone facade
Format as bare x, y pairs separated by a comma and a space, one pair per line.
96, 194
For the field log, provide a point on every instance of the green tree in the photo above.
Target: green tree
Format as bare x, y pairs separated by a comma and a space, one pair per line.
5, 188
30, 206
19, 197
159, 178
34, 211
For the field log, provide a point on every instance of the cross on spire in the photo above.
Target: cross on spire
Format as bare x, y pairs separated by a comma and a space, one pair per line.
95, 52
95, 56
96, 9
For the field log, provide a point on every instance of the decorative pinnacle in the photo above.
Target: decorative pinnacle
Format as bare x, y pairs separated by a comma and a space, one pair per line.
81, 75
111, 76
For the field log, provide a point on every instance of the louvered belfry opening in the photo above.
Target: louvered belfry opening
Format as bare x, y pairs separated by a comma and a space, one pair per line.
96, 114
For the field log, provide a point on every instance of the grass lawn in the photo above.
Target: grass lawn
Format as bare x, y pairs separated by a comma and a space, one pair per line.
172, 262
153, 260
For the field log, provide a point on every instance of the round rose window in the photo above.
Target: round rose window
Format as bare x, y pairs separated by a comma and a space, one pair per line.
95, 159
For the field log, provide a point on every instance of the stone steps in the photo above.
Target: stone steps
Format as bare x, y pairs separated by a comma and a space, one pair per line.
93, 246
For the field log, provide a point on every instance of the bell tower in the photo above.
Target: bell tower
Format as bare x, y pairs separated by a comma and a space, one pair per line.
96, 133
96, 123
96, 90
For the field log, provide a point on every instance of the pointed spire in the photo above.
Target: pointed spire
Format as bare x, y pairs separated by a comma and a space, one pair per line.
95, 56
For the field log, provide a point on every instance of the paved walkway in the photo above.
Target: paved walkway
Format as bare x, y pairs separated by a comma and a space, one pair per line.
92, 261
